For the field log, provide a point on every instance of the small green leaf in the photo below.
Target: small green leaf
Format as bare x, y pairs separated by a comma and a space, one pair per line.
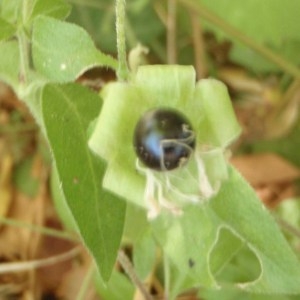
53, 8
6, 30
67, 112
62, 51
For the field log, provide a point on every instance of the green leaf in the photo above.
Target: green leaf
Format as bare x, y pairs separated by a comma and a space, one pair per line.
252, 60
269, 21
118, 288
67, 112
62, 51
10, 9
53, 8
6, 30
10, 63
194, 237
60, 203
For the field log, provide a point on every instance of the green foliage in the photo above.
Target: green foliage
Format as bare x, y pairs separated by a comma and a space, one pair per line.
76, 54
224, 239
53, 8
143, 24
271, 22
118, 287
236, 209
6, 29
67, 112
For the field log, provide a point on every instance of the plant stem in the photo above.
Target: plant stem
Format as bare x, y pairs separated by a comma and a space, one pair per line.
167, 277
288, 227
199, 49
25, 10
128, 268
47, 231
122, 72
171, 29
25, 266
241, 37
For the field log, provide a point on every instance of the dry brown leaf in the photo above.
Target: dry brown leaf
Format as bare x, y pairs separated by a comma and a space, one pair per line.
267, 168
271, 176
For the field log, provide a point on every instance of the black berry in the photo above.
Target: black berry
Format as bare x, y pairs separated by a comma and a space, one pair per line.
163, 139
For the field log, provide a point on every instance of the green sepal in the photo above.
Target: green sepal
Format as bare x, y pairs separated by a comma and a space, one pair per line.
219, 126
155, 87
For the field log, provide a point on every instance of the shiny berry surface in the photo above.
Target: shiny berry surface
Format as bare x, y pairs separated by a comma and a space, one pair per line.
163, 139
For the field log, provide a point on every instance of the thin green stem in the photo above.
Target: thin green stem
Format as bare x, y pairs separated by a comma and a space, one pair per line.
43, 230
122, 71
212, 18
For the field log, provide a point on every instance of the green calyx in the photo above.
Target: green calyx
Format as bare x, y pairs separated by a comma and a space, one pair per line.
207, 106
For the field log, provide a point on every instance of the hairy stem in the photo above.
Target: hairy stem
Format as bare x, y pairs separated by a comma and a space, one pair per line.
122, 71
